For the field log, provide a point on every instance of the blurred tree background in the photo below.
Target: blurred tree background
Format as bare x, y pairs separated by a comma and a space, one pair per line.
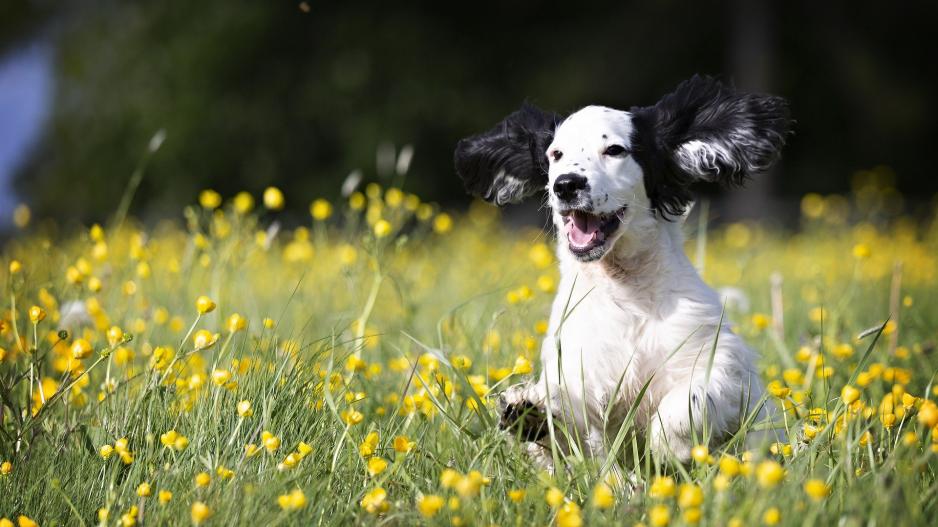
298, 94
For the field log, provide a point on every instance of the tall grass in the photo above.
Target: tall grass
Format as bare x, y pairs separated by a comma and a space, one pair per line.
384, 315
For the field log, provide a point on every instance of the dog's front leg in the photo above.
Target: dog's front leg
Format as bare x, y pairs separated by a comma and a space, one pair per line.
523, 414
679, 419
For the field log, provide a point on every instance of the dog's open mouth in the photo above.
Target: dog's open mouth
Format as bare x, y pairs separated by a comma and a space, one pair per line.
587, 233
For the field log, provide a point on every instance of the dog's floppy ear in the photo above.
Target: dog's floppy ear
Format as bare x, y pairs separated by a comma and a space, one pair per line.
706, 131
509, 162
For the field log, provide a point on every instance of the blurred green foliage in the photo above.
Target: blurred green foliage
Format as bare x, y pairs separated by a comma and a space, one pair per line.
255, 93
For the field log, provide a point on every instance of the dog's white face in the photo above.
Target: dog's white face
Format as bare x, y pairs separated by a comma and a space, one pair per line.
603, 167
594, 183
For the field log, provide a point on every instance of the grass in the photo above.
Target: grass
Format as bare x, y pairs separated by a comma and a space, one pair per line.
387, 317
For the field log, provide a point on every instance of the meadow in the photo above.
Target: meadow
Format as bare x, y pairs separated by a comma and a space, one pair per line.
223, 369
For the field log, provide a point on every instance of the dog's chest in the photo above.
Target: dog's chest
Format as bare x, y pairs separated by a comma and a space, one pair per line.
601, 335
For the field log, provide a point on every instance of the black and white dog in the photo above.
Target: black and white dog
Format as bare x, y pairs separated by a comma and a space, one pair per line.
619, 185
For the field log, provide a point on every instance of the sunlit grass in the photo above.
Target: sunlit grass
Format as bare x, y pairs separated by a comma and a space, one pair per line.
225, 370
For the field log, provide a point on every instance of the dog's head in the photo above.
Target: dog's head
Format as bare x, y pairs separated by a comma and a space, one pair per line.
602, 166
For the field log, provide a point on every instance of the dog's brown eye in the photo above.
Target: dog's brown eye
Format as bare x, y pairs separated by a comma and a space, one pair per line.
614, 150
556, 155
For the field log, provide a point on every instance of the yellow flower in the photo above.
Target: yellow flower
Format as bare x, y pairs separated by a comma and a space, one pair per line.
374, 501
244, 408
771, 516
769, 473
25, 521
204, 305
928, 414
320, 209
442, 223
517, 495
270, 441
224, 472
106, 451
15, 267
861, 251
243, 202
783, 449
888, 420
209, 199
700, 453
849, 394
376, 465
777, 389
382, 228
221, 377
169, 438
522, 366
81, 349
236, 323
202, 479
251, 450
143, 490
909, 439
369, 445
569, 515
659, 516
429, 505
203, 339
816, 489
554, 497
461, 362
469, 485
352, 417
295, 500
403, 444
36, 314
603, 498
6, 467
115, 335
273, 198
691, 516
200, 512
356, 201
164, 496
842, 351
761, 321
662, 487
690, 496
729, 466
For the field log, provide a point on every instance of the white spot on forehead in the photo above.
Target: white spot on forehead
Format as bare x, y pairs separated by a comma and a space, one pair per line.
591, 123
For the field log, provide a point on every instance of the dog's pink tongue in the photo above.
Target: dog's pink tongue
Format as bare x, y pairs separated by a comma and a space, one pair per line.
583, 227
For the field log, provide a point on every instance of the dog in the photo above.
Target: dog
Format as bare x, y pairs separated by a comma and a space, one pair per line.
634, 333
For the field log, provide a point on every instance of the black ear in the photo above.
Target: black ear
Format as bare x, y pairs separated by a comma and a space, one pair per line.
706, 131
509, 162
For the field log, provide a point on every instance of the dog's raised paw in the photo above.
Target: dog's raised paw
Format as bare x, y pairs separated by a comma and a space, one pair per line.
521, 416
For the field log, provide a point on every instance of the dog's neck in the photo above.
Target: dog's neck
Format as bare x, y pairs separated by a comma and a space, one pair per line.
645, 271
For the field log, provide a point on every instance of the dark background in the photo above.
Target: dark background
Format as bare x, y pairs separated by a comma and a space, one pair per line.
253, 92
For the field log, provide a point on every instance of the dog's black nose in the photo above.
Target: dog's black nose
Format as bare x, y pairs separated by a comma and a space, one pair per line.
568, 185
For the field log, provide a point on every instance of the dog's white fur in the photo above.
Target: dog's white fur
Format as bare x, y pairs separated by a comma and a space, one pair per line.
640, 312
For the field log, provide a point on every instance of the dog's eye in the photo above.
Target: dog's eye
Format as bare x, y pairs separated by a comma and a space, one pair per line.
614, 150
556, 155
